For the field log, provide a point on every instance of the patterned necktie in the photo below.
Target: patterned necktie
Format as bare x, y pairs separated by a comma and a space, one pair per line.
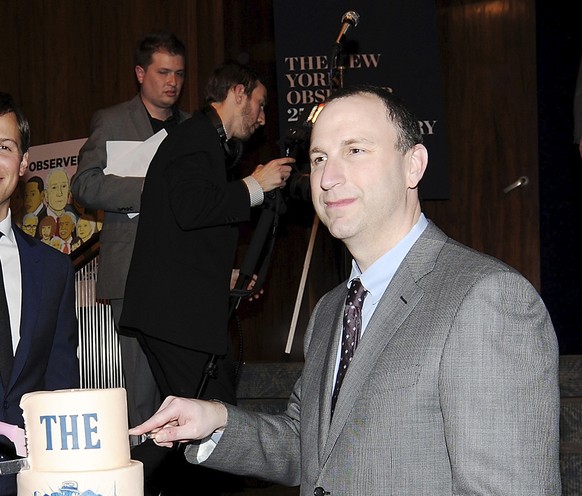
6, 354
351, 333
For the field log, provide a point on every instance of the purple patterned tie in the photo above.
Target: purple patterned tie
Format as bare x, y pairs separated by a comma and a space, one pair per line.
351, 333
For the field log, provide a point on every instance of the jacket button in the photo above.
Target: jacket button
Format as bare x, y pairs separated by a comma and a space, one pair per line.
320, 491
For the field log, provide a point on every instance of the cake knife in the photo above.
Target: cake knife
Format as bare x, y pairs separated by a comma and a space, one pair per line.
13, 466
16, 435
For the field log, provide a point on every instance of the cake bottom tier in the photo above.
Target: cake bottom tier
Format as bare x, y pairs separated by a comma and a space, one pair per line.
124, 481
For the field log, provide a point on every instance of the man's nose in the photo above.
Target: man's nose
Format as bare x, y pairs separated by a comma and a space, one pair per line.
262, 120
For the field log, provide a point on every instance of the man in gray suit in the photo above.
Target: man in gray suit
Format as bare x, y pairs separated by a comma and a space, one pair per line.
160, 61
453, 388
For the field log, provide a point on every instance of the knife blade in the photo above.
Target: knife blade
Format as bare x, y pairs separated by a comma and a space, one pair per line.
13, 466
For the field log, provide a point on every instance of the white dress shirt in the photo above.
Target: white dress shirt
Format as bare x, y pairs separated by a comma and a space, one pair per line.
12, 277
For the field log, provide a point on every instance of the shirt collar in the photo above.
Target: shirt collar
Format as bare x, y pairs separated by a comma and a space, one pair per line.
6, 227
377, 277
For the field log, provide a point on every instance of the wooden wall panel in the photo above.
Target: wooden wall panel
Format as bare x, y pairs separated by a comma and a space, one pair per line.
489, 71
68, 58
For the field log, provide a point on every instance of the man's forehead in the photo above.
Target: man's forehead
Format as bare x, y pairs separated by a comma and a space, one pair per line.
354, 112
160, 55
362, 103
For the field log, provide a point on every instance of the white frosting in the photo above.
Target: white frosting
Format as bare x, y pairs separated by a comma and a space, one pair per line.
127, 481
78, 443
76, 429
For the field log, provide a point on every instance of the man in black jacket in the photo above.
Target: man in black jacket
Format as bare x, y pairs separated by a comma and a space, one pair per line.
178, 287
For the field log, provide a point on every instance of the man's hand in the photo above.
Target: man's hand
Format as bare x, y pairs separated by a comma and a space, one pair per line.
234, 277
274, 174
183, 420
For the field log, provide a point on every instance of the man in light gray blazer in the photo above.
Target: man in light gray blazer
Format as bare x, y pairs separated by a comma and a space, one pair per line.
160, 61
453, 388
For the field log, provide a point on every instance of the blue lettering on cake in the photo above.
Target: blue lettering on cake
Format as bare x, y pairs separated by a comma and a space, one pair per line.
89, 444
69, 426
73, 432
49, 437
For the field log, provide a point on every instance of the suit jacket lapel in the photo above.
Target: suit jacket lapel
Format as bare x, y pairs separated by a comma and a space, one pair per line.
401, 296
31, 274
139, 117
329, 365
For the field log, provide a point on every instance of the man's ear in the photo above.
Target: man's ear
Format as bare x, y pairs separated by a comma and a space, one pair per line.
417, 161
239, 92
23, 165
139, 73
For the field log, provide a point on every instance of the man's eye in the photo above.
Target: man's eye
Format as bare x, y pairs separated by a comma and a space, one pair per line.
318, 160
355, 151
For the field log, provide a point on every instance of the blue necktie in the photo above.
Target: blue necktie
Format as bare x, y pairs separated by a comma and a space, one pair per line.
351, 333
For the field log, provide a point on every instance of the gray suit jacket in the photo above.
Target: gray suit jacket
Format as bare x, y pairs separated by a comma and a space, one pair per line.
116, 195
452, 390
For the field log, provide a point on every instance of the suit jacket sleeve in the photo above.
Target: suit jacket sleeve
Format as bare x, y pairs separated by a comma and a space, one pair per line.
262, 445
259, 445
499, 391
63, 366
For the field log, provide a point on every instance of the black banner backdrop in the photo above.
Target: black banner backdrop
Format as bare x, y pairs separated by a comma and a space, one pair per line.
393, 44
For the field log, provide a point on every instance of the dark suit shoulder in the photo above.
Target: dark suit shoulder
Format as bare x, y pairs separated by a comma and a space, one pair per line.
122, 108
196, 132
39, 248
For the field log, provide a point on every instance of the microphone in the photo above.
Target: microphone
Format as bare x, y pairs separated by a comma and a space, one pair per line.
350, 18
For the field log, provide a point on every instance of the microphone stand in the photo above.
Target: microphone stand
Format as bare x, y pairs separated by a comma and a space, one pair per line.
262, 243
336, 51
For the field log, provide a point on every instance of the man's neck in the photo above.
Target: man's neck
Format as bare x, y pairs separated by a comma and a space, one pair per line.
160, 113
4, 210
224, 116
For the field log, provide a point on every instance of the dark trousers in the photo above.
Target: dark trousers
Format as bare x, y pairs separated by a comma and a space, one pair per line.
143, 394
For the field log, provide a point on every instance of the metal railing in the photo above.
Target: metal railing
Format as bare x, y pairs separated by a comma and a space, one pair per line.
99, 354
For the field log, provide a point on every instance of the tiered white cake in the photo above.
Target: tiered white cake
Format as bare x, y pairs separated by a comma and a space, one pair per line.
78, 444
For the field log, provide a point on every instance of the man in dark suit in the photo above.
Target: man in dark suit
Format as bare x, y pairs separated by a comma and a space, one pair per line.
453, 387
178, 286
159, 69
39, 313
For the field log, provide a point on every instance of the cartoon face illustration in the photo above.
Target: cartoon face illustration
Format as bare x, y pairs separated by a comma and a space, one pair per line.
66, 225
29, 224
57, 190
33, 194
48, 228
85, 228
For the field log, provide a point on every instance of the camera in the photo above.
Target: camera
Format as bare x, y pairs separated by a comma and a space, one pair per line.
297, 146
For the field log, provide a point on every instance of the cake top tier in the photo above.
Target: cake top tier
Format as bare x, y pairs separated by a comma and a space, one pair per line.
76, 429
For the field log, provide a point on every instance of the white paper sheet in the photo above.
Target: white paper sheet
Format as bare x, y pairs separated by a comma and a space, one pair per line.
132, 158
